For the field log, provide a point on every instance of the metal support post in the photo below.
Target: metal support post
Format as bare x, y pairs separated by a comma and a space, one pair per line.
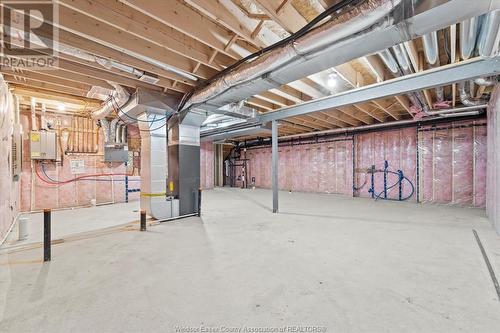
199, 201
275, 164
126, 183
143, 220
386, 166
46, 234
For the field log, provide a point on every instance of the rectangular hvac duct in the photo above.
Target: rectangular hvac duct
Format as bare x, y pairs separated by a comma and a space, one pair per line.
184, 160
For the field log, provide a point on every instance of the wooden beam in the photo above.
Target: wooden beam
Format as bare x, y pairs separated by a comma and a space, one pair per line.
351, 111
220, 14
27, 83
281, 7
386, 108
53, 95
328, 119
257, 29
104, 33
105, 52
37, 76
288, 17
365, 108
405, 103
337, 114
142, 26
188, 21
76, 77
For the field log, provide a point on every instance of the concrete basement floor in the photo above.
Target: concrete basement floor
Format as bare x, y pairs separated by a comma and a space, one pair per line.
343, 264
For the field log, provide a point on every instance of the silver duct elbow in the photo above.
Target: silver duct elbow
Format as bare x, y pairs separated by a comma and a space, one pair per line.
117, 99
465, 97
486, 82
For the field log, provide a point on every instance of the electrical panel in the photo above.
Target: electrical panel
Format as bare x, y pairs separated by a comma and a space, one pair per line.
43, 145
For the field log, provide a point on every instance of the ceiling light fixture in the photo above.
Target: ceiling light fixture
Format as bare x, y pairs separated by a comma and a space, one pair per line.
332, 80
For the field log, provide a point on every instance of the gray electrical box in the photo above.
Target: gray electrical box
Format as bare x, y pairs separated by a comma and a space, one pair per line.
116, 154
43, 145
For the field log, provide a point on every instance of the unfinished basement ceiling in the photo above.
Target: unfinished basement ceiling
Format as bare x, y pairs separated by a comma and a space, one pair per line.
174, 46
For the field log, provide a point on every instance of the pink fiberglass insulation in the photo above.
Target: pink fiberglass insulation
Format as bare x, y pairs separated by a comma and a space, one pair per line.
207, 165
452, 163
9, 188
72, 194
317, 167
493, 160
398, 148
480, 164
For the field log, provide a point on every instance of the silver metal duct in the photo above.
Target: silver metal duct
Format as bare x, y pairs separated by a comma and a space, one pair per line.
486, 82
431, 48
465, 97
469, 30
489, 37
146, 101
403, 66
117, 99
389, 61
124, 134
112, 131
431, 51
372, 26
105, 128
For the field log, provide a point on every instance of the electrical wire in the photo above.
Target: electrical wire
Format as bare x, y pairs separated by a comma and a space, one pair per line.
88, 179
118, 108
333, 11
56, 182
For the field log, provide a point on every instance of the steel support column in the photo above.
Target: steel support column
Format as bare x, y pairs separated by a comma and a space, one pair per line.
275, 164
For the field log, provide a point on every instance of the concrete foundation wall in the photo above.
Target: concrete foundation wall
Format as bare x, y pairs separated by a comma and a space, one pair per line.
493, 168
